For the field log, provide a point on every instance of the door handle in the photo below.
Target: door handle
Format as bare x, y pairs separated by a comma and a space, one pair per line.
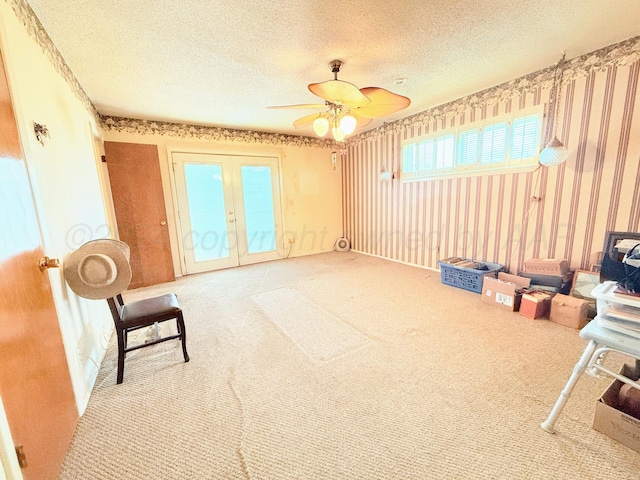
163, 223
46, 262
232, 220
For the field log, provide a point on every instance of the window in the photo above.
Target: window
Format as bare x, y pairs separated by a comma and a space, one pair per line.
468, 143
494, 144
497, 143
426, 156
444, 152
526, 132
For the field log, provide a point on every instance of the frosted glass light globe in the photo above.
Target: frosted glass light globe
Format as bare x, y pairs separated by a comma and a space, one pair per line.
348, 124
321, 126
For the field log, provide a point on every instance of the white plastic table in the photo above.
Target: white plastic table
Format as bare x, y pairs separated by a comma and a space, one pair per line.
601, 341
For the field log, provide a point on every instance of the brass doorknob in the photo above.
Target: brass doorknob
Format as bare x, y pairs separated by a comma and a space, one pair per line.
163, 223
46, 262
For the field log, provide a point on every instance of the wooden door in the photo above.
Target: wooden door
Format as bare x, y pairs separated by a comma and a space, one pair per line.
138, 200
35, 383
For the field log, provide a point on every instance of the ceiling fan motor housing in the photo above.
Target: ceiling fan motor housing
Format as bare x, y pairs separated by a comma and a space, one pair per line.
335, 66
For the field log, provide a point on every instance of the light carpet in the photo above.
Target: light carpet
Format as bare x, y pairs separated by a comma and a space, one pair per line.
447, 388
318, 333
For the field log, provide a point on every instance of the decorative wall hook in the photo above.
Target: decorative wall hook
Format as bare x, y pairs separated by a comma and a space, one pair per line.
41, 132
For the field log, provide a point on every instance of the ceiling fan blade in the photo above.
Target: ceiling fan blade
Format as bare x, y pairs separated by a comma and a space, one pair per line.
360, 121
383, 102
340, 93
305, 121
301, 105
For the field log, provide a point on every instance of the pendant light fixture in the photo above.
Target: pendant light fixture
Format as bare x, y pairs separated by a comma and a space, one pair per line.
555, 152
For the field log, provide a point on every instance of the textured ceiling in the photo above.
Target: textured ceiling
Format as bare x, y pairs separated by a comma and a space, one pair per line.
221, 62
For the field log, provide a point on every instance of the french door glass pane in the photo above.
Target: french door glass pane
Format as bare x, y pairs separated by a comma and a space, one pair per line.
258, 208
208, 235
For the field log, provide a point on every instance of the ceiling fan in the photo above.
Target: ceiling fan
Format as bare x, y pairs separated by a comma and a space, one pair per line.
346, 107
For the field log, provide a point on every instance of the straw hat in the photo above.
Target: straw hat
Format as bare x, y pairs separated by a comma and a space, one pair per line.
99, 269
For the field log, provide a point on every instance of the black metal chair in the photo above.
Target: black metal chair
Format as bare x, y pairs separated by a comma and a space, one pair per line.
145, 313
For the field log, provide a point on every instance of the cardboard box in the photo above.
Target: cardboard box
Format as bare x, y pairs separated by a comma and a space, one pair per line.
535, 304
546, 266
569, 311
611, 421
560, 283
505, 291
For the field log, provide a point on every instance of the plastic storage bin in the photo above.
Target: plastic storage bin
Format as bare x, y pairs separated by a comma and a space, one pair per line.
467, 278
617, 311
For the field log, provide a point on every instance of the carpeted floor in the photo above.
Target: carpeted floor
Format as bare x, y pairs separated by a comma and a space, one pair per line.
322, 336
430, 383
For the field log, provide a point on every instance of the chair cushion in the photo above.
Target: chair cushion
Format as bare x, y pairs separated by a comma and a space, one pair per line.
161, 307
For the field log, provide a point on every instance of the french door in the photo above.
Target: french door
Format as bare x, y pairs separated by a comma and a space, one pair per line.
229, 210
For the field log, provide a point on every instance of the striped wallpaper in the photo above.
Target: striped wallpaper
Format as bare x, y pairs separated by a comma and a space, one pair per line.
496, 217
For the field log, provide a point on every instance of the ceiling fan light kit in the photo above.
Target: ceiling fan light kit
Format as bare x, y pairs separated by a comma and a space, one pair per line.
346, 106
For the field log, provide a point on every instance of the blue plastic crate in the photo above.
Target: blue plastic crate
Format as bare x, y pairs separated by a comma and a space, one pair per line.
467, 278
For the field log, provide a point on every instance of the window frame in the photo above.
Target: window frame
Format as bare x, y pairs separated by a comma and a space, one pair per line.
507, 165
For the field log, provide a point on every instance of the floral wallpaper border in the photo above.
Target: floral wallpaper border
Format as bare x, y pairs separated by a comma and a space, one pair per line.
620, 54
624, 53
34, 28
200, 132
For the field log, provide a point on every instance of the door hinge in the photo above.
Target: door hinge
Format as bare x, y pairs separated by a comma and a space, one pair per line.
103, 158
22, 458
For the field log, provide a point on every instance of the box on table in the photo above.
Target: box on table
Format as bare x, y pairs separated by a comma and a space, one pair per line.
616, 424
546, 266
569, 311
535, 304
505, 291
467, 278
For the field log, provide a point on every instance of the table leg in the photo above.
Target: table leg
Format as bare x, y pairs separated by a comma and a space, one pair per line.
549, 423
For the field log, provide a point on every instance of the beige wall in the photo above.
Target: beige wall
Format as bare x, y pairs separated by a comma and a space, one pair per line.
493, 218
66, 188
310, 186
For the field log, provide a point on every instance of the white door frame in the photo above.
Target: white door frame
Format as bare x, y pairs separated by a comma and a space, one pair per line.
9, 468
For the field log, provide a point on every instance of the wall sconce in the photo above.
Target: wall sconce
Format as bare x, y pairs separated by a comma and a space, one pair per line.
385, 175
41, 132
